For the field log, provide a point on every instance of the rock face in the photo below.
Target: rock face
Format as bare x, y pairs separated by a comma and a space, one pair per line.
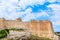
15, 35
42, 28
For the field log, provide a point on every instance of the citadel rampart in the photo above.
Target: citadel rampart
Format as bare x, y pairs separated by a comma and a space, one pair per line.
42, 28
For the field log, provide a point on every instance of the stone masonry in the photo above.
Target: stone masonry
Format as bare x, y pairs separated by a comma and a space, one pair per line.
42, 28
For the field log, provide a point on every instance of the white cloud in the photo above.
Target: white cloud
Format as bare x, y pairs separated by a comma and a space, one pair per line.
13, 1
54, 6
56, 14
51, 1
24, 3
57, 0
8, 8
30, 15
42, 13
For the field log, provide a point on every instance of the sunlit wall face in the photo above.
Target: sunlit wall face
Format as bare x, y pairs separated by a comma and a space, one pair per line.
31, 9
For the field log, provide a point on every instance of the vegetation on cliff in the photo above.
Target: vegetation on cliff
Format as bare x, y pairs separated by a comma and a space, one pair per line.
17, 29
5, 32
33, 37
57, 33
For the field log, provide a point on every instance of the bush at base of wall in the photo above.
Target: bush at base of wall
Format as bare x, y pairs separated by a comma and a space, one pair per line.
17, 29
33, 37
3, 33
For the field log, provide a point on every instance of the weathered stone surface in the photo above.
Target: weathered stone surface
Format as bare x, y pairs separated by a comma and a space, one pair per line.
41, 28
15, 35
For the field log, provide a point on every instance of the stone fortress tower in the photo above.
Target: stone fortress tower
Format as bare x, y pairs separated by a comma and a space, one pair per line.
42, 28
2, 23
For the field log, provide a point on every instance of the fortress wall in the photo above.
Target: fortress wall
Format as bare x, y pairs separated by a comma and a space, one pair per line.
33, 27
46, 29
14, 24
26, 25
42, 28
11, 24
2, 23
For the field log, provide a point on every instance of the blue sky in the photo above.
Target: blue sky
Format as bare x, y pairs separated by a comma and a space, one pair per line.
31, 9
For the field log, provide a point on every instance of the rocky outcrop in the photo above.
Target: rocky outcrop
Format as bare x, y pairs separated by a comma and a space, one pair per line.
15, 35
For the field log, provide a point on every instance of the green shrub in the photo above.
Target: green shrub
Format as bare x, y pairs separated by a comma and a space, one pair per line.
7, 31
21, 29
38, 38
3, 33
